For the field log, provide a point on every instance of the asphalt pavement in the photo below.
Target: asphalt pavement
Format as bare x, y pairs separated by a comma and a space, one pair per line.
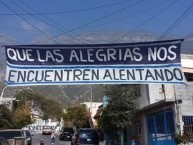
38, 136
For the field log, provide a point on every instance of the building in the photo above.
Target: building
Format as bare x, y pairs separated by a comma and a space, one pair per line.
8, 101
93, 107
164, 110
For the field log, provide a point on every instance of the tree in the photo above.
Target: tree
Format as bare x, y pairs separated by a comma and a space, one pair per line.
22, 116
120, 111
184, 138
78, 116
6, 118
50, 107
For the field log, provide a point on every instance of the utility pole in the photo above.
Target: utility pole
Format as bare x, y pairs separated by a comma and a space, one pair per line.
90, 109
90, 99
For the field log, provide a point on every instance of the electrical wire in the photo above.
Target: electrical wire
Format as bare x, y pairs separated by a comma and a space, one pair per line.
104, 17
19, 29
151, 18
46, 22
28, 21
73, 11
184, 14
127, 17
9, 40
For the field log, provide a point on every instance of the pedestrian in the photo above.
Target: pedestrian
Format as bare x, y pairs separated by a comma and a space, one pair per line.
41, 142
52, 137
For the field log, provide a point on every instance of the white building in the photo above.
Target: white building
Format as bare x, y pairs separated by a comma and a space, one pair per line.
93, 107
8, 101
164, 110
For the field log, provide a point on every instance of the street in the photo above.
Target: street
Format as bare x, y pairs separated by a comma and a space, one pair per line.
38, 136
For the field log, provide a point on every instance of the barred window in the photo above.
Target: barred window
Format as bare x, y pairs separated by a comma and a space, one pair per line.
188, 123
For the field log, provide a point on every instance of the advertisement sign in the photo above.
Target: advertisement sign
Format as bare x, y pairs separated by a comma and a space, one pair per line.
127, 63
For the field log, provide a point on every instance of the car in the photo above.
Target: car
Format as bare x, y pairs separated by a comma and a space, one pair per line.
85, 136
66, 134
16, 136
28, 136
3, 141
46, 130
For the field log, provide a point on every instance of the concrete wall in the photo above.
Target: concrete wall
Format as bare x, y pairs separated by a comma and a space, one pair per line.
185, 93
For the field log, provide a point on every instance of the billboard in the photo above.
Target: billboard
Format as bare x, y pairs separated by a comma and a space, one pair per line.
124, 63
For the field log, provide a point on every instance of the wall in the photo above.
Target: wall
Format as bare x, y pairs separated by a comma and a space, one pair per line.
185, 93
94, 109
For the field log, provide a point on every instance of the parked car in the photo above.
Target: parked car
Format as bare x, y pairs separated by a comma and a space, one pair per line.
16, 135
3, 141
46, 130
66, 134
85, 136
28, 136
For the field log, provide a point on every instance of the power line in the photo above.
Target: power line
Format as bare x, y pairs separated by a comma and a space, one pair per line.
125, 18
19, 29
27, 21
161, 11
104, 17
9, 40
46, 22
73, 11
57, 24
183, 15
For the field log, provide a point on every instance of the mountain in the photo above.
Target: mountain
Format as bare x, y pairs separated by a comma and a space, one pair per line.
72, 94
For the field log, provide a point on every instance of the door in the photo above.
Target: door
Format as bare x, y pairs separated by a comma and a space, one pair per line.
160, 128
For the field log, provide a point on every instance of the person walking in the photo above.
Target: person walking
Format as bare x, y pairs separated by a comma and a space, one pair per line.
41, 142
52, 137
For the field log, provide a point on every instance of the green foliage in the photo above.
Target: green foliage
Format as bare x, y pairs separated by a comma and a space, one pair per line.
78, 116
6, 118
120, 111
184, 138
22, 116
50, 108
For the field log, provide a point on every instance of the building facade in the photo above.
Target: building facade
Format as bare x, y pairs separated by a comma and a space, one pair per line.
164, 110
93, 107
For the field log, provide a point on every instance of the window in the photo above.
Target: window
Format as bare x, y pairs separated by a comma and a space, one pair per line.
10, 134
188, 123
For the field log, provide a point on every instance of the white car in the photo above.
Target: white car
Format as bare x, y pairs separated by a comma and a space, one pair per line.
46, 130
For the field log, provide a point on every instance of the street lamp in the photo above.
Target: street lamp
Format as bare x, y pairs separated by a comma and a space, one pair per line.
2, 93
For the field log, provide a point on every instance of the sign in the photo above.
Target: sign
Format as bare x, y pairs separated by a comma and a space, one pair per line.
106, 100
136, 63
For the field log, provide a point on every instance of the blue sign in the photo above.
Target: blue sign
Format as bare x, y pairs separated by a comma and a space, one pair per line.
105, 101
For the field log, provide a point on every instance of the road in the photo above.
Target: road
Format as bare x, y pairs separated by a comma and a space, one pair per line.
37, 137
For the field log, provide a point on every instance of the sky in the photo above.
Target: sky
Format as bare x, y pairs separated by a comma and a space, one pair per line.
31, 21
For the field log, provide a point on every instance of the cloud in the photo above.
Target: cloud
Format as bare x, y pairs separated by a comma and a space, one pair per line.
32, 24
